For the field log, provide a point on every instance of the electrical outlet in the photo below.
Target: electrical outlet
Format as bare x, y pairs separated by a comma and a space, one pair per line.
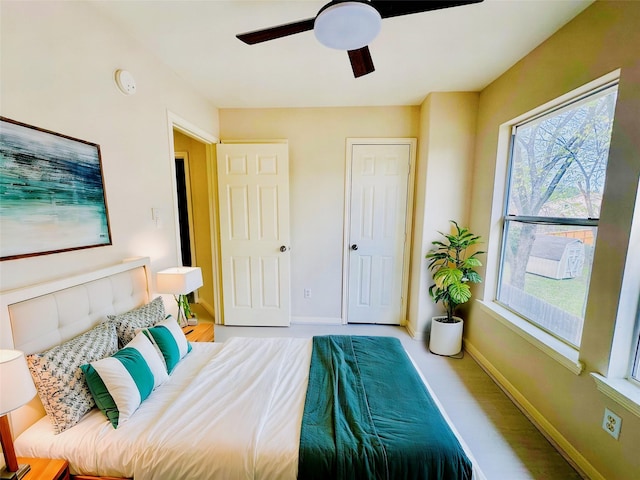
611, 423
307, 293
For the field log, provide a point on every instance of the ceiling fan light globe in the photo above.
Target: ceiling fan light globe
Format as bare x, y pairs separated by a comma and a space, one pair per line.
347, 25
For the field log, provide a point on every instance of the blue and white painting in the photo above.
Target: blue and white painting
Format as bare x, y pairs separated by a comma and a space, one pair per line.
51, 193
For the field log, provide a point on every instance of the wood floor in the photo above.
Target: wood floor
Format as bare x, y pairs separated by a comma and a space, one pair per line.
504, 443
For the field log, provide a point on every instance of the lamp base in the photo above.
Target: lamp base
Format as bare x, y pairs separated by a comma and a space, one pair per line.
17, 475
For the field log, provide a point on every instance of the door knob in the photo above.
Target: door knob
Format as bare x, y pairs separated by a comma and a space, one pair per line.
283, 249
354, 247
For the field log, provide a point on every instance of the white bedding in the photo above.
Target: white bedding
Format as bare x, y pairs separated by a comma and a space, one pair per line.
233, 403
235, 422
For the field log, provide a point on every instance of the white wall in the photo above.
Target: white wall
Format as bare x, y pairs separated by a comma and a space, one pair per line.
57, 66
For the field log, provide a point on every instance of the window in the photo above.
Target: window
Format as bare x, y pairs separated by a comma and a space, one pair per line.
555, 183
635, 361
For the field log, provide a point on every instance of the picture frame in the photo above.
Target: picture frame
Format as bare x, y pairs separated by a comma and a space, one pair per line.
52, 196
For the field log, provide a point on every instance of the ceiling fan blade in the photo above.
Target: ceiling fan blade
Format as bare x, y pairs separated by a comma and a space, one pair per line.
395, 8
258, 36
361, 62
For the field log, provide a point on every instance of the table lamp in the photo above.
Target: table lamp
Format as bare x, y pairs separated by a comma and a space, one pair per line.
180, 281
17, 389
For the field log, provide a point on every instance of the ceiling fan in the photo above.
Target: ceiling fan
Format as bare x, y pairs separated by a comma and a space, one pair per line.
351, 25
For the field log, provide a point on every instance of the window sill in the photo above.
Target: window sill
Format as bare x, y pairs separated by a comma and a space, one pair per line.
562, 353
620, 390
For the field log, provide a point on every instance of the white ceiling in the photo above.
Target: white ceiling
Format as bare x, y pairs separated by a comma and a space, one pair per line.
455, 49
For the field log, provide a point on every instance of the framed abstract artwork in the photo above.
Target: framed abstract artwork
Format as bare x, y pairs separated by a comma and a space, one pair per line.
51, 193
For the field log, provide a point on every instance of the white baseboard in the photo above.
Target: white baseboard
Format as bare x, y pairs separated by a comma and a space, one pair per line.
316, 321
566, 449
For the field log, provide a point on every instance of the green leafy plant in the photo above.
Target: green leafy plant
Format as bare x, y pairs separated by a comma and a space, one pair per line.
452, 266
184, 309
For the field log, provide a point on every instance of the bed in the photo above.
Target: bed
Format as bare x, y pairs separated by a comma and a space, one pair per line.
272, 408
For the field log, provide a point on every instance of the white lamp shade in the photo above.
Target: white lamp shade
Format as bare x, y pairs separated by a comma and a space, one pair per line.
16, 384
179, 280
347, 25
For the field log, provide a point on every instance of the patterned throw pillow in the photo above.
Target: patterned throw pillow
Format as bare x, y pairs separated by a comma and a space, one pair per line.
59, 380
129, 323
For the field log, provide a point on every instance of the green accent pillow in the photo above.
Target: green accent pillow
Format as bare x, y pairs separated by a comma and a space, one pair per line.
120, 383
102, 397
170, 340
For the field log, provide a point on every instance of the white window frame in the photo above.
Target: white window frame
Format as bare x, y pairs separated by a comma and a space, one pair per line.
634, 363
510, 219
565, 354
616, 382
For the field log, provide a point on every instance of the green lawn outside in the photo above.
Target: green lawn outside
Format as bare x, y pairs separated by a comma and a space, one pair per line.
568, 294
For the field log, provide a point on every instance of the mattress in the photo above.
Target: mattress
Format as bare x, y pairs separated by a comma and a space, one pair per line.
228, 410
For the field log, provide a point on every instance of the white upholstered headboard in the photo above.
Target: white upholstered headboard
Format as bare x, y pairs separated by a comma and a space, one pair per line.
35, 318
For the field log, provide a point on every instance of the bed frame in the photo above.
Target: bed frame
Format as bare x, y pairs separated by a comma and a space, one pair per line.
38, 317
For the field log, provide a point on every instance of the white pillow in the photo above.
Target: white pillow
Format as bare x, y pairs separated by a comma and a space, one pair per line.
120, 383
153, 358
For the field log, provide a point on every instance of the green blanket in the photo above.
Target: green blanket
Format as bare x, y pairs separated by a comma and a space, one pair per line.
368, 415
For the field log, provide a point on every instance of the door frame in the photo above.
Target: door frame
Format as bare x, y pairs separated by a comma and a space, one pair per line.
412, 143
209, 140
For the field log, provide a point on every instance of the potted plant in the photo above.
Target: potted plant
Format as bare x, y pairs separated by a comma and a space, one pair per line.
452, 266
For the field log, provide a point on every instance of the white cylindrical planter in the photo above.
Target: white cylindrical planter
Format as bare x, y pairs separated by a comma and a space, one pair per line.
446, 338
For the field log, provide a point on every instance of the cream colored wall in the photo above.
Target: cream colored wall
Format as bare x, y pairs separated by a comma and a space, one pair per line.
317, 143
603, 38
57, 66
201, 216
443, 180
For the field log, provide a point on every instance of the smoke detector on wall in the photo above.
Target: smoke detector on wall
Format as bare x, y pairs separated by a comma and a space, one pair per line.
125, 82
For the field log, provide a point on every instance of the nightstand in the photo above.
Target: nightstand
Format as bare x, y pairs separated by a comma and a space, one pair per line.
202, 332
45, 469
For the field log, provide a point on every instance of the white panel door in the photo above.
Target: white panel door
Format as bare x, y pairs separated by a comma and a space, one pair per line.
379, 183
253, 191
